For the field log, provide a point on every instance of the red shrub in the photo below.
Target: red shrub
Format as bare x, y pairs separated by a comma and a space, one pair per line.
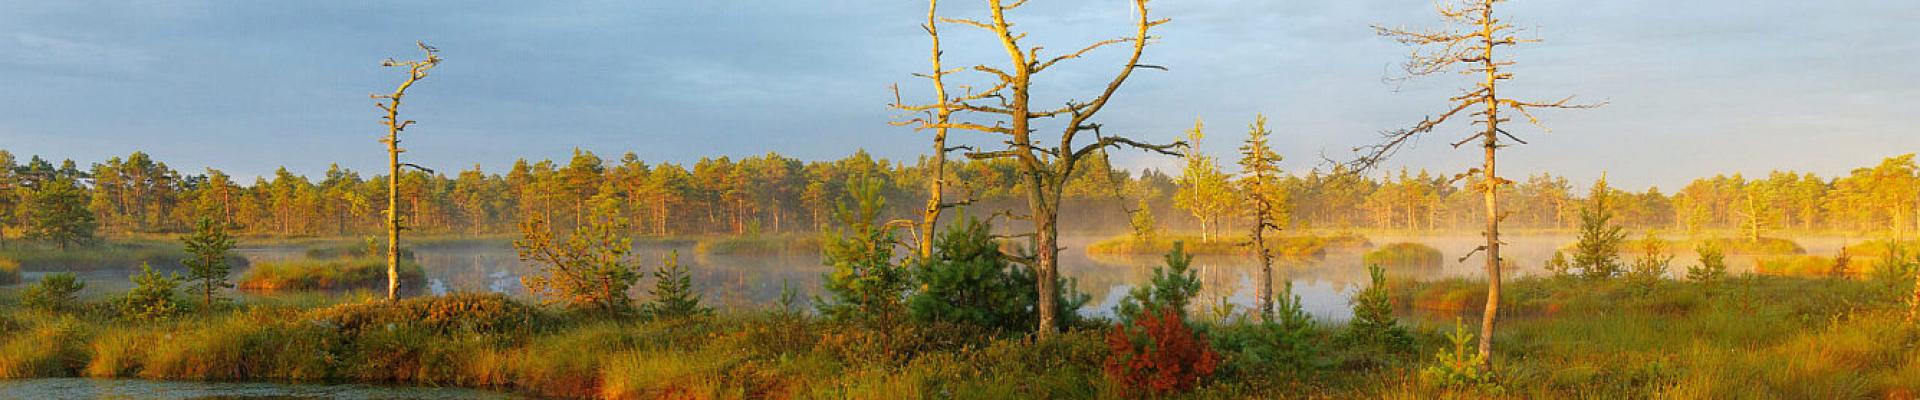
1159, 355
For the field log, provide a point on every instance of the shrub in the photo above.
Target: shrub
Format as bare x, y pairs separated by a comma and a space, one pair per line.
1712, 268
1404, 255
1651, 265
588, 269
1373, 325
1460, 367
9, 271
1285, 343
673, 294
1558, 266
1158, 355
1172, 289
968, 281
54, 292
462, 312
152, 296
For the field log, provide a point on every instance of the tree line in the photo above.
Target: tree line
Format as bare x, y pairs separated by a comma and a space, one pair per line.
773, 193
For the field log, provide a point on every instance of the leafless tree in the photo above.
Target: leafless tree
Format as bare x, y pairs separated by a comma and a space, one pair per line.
1005, 111
416, 70
1468, 46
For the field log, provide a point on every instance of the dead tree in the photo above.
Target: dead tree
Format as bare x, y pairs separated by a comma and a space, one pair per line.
1004, 111
1468, 46
940, 114
416, 70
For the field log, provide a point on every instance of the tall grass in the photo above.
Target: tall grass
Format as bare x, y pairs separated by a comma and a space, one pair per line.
760, 245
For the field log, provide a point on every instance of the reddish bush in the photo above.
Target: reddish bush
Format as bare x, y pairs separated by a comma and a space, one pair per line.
1159, 354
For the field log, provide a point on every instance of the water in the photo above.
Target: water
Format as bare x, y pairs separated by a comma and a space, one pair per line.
114, 389
754, 282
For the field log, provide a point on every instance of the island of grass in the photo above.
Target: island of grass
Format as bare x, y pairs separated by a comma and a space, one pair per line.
9, 271
760, 245
1288, 246
1884, 247
1404, 255
328, 274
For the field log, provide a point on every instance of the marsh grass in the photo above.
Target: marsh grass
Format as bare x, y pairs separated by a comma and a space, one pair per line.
1745, 337
327, 274
1404, 254
113, 255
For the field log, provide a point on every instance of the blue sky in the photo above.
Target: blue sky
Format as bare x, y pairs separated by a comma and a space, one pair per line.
1696, 88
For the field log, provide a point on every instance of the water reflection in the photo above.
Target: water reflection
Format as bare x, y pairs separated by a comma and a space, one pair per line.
755, 282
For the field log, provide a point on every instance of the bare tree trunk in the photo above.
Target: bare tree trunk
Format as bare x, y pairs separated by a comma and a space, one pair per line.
416, 70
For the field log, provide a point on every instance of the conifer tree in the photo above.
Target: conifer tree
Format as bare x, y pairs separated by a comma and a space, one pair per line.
207, 252
1260, 182
56, 211
673, 293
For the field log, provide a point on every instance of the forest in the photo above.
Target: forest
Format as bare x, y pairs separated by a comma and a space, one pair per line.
1017, 257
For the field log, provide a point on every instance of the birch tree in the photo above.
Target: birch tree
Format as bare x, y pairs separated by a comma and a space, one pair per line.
1468, 45
416, 70
1003, 109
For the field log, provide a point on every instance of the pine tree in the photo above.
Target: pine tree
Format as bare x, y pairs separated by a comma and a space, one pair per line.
1260, 181
1172, 289
56, 211
1597, 253
864, 281
673, 293
206, 263
152, 296
1712, 267
1373, 324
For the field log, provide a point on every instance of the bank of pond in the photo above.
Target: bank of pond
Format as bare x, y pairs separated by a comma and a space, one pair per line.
1746, 336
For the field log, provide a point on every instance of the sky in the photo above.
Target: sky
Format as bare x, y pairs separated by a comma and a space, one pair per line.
1693, 88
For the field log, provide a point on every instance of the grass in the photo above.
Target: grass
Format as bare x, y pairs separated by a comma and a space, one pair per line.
1404, 255
1883, 248
325, 274
1744, 337
1288, 246
1812, 266
760, 245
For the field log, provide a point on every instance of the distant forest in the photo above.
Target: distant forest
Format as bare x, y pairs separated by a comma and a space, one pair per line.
776, 194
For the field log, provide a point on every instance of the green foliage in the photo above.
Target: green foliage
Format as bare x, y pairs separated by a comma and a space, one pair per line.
1373, 326
864, 281
152, 296
1404, 254
1287, 344
1896, 270
56, 211
1460, 367
1712, 267
1651, 265
54, 292
1141, 220
968, 281
591, 268
1172, 289
1597, 253
207, 266
673, 294
1559, 266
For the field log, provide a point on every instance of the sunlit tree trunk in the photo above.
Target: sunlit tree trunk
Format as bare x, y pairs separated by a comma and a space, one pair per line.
416, 70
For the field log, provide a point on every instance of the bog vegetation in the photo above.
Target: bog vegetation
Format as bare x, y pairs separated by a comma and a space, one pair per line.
944, 277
